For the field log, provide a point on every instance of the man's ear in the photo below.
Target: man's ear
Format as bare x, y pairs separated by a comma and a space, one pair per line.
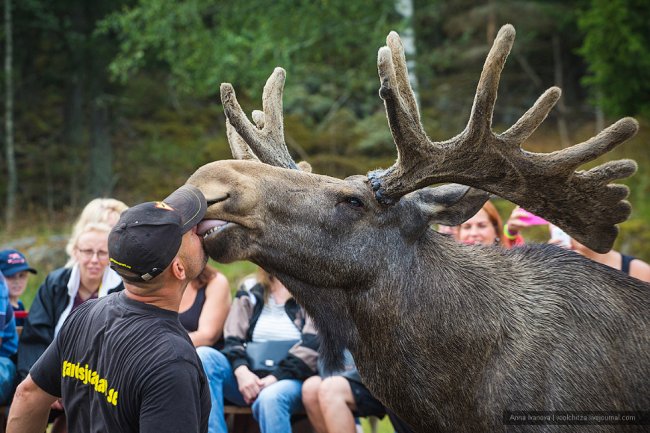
450, 204
178, 268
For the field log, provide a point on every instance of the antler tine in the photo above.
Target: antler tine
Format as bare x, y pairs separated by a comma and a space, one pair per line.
583, 203
530, 121
403, 117
401, 74
414, 148
611, 170
578, 154
238, 147
480, 119
266, 141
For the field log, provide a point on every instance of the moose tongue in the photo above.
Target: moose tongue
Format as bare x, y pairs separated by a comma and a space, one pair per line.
206, 225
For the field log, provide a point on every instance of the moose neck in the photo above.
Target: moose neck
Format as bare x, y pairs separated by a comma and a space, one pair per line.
399, 301
329, 307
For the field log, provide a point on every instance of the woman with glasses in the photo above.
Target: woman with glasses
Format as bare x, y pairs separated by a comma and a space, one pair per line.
99, 210
64, 290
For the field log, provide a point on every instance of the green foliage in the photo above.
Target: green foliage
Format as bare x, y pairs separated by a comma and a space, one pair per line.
204, 43
30, 292
617, 37
165, 119
235, 272
384, 426
454, 37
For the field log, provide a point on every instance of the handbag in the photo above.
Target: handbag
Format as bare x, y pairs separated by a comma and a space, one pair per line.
265, 356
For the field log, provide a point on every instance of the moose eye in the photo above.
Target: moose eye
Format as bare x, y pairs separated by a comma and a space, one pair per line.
354, 202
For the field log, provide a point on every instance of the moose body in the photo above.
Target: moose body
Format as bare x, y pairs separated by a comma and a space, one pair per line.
448, 336
530, 329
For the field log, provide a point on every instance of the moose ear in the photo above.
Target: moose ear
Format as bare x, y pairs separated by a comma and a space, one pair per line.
450, 204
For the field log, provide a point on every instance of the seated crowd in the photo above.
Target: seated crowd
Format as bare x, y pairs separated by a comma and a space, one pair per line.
258, 351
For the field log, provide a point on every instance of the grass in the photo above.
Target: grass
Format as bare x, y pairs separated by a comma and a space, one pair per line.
384, 425
235, 272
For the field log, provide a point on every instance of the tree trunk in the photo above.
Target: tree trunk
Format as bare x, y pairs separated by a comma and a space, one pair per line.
76, 103
405, 9
73, 133
101, 160
599, 114
12, 181
49, 185
491, 30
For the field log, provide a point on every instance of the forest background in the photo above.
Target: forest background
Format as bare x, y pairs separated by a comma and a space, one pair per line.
119, 98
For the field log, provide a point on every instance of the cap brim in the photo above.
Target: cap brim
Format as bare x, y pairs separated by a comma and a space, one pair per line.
15, 269
190, 202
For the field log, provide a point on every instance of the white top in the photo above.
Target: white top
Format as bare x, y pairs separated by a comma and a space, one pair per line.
274, 324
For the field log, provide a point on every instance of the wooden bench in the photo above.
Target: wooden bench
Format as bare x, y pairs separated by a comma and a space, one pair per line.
240, 420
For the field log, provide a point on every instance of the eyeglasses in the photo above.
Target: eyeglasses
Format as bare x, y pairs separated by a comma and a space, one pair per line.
88, 254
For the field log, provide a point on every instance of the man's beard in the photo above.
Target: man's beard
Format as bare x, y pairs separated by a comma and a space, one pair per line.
194, 265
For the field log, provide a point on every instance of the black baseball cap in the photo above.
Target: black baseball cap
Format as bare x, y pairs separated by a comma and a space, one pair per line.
147, 237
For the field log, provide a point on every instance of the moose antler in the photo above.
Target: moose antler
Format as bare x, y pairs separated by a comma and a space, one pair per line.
583, 203
263, 141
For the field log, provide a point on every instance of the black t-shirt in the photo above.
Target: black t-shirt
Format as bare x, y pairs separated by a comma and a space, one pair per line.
125, 366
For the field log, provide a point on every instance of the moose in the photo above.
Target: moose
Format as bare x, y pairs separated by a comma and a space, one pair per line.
448, 336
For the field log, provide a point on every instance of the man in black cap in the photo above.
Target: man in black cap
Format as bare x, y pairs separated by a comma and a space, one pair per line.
123, 363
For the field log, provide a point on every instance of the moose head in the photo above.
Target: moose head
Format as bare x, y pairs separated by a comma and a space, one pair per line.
431, 323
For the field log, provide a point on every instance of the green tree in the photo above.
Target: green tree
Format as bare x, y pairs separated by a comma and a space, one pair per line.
616, 41
455, 36
12, 181
326, 44
63, 99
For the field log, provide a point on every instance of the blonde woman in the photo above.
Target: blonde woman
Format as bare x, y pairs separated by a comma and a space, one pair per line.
99, 210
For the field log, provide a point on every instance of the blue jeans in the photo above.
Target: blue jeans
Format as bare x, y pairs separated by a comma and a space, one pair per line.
7, 376
273, 407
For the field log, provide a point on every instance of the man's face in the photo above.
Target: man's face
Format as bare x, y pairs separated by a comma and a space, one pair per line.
193, 254
17, 283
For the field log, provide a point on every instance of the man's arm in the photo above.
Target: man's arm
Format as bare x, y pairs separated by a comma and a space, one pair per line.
30, 408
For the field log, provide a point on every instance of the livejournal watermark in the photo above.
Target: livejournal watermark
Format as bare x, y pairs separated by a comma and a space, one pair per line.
558, 417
